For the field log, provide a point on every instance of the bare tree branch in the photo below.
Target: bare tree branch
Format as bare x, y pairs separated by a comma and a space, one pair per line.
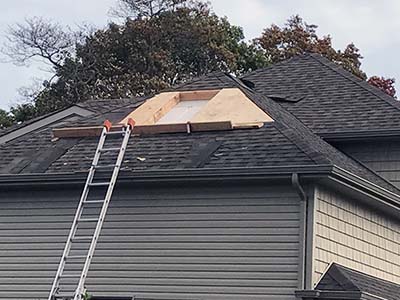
145, 8
39, 38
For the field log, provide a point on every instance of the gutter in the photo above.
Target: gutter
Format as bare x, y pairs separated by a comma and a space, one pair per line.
384, 196
361, 135
167, 176
322, 173
335, 295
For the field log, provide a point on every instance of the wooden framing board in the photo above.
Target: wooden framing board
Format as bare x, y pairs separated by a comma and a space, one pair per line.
198, 95
155, 108
92, 131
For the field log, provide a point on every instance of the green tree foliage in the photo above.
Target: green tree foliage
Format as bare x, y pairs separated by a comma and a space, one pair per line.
6, 119
167, 42
158, 44
298, 37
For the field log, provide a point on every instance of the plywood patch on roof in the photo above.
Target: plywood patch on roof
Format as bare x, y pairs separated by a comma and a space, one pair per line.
225, 105
153, 109
231, 104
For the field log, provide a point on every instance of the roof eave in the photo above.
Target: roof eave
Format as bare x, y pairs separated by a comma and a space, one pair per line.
364, 190
162, 176
322, 173
387, 134
335, 295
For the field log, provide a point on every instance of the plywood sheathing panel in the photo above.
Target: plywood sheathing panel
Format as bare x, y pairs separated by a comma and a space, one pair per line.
153, 109
231, 104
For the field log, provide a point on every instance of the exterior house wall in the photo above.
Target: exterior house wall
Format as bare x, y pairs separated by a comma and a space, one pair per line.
354, 235
176, 243
382, 157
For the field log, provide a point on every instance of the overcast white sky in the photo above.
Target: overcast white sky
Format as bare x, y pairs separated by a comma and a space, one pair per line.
372, 25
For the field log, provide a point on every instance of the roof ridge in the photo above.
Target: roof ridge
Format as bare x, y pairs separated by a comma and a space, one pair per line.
339, 272
193, 80
293, 138
291, 135
347, 269
361, 83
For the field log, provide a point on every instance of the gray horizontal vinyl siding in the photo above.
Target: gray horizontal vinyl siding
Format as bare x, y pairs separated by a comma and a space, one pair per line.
382, 157
160, 243
354, 235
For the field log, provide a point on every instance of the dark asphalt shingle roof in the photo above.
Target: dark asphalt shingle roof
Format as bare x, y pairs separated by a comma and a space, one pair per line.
340, 278
285, 142
327, 98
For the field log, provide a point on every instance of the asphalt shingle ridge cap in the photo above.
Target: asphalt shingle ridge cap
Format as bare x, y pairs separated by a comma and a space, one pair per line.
292, 136
192, 80
361, 83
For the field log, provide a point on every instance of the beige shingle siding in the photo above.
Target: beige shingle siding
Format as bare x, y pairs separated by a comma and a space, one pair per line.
356, 236
383, 157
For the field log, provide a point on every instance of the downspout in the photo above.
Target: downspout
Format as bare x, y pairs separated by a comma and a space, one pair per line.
303, 229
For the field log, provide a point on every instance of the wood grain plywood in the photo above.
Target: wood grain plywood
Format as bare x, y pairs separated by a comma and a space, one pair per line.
153, 109
231, 105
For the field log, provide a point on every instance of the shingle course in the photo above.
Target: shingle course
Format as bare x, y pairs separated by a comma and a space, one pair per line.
334, 100
340, 278
285, 142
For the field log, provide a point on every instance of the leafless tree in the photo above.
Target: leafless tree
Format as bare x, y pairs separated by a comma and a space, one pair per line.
39, 38
145, 8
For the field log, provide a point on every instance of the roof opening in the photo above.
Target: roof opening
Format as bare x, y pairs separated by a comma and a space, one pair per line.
187, 111
182, 112
222, 109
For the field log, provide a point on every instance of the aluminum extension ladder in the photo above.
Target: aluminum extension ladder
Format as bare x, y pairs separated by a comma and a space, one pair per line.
84, 203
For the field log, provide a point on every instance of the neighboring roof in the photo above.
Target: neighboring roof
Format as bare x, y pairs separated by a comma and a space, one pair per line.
285, 142
351, 284
83, 109
44, 121
327, 98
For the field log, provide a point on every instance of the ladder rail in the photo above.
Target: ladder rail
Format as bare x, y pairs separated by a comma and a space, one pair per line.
81, 285
73, 229
80, 289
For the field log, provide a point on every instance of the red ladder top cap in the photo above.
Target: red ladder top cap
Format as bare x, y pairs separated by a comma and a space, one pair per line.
107, 124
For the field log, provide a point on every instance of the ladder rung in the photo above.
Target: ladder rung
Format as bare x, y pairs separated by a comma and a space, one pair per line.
82, 238
74, 275
115, 132
93, 201
99, 183
105, 166
76, 257
109, 149
63, 297
88, 220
